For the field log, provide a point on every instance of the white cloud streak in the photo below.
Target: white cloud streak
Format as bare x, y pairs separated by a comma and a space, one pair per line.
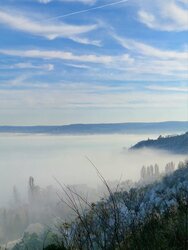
48, 30
138, 63
154, 61
168, 88
28, 65
168, 15
88, 95
62, 55
89, 2
148, 50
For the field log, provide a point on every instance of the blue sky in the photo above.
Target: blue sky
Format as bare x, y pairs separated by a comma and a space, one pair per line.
93, 61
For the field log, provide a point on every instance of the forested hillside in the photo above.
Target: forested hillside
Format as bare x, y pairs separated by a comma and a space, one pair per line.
176, 144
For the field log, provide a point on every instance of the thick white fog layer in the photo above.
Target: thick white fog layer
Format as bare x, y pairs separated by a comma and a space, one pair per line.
64, 157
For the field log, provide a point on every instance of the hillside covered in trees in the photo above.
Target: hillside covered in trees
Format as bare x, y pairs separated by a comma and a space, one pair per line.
176, 144
149, 216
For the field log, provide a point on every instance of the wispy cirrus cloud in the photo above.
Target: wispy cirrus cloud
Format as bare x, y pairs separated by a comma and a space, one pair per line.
168, 15
28, 65
85, 95
68, 56
78, 66
68, 1
148, 50
84, 40
168, 88
150, 60
130, 65
47, 29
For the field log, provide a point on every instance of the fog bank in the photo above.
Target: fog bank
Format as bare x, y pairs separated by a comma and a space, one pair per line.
64, 157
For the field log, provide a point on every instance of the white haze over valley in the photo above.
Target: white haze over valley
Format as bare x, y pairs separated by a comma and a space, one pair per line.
64, 157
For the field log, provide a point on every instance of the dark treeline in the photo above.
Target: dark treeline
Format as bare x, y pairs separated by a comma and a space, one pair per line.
177, 144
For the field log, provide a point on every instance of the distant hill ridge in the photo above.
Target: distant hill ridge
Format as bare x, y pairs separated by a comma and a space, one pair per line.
103, 128
176, 144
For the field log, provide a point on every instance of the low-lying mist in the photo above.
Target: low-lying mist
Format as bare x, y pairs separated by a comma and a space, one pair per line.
48, 157
33, 167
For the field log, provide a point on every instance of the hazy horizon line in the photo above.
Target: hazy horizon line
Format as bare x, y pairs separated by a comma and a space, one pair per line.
98, 123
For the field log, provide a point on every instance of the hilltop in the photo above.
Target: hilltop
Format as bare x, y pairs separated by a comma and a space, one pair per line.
175, 144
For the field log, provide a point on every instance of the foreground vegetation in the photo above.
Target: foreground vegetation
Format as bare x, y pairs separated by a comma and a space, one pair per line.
151, 217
